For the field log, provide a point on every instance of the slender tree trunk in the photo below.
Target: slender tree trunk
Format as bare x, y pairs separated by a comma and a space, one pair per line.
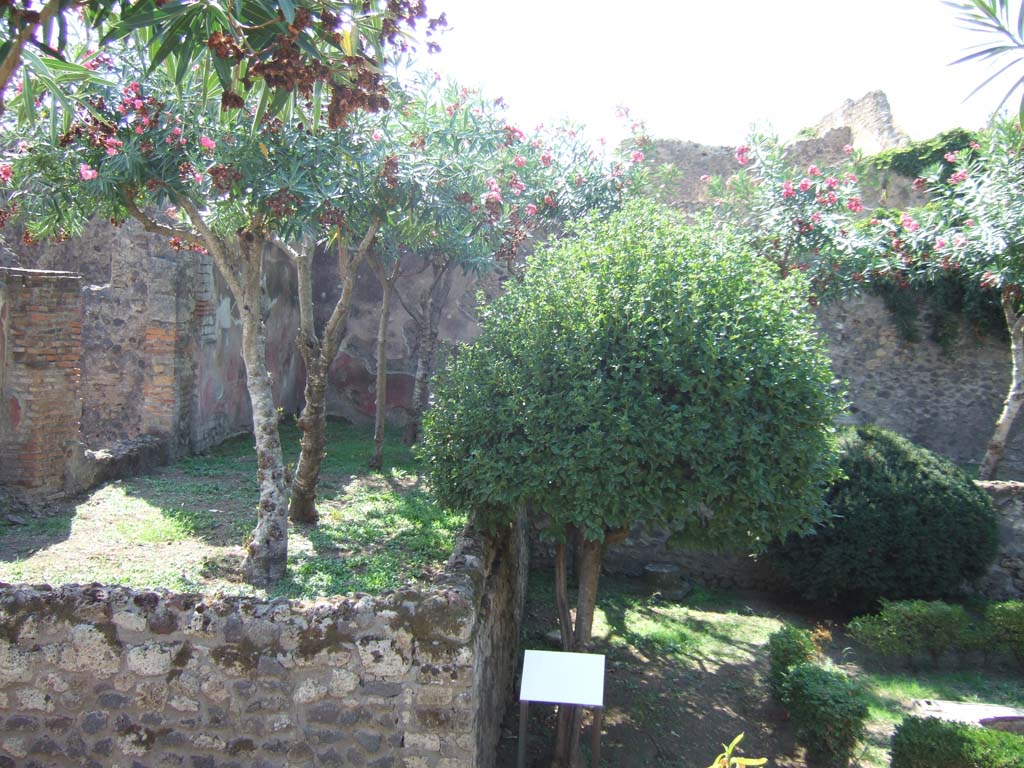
426, 354
240, 263
428, 321
1014, 398
267, 553
387, 283
318, 356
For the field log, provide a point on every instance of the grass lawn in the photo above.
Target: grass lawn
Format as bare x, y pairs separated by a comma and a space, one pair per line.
684, 678
182, 526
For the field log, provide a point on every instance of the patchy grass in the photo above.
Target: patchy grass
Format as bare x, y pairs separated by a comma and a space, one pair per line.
684, 678
182, 527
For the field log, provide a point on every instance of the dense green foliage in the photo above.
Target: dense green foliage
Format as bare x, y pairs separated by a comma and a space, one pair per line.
919, 157
828, 712
906, 524
931, 743
910, 627
643, 371
787, 647
1007, 623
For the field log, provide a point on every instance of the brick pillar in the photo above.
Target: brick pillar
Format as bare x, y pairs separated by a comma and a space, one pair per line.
40, 358
159, 401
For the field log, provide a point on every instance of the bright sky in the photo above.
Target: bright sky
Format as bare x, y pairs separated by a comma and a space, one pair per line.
706, 71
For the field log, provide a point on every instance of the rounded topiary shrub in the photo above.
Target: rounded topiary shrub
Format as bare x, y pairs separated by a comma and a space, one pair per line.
905, 524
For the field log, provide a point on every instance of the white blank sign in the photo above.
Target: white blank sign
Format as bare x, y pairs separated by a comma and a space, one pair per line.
556, 677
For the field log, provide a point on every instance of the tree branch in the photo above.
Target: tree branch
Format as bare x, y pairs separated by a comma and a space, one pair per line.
150, 225
225, 262
13, 57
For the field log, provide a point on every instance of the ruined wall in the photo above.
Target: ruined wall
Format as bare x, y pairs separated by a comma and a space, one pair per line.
40, 353
945, 402
100, 676
161, 341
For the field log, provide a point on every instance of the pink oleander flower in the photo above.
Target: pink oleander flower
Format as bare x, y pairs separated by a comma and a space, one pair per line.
969, 223
207, 143
847, 149
816, 217
989, 280
939, 244
920, 184
975, 145
787, 189
637, 156
705, 178
376, 136
519, 161
87, 173
492, 184
950, 157
197, 178
908, 223
545, 159
492, 197
6, 172
138, 103
176, 131
832, 182
855, 205
958, 177
437, 77
113, 145
139, 130
851, 178
171, 211
805, 184
813, 170
959, 240
550, 201
531, 209
743, 154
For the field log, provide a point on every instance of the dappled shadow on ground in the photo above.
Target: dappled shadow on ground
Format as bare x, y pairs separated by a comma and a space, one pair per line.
679, 683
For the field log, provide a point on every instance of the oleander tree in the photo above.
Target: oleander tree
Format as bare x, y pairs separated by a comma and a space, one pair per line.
643, 372
800, 219
275, 53
167, 156
973, 227
439, 184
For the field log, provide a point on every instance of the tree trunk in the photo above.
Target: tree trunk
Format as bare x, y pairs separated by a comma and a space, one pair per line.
1014, 398
428, 320
387, 283
267, 552
575, 635
426, 353
302, 507
318, 356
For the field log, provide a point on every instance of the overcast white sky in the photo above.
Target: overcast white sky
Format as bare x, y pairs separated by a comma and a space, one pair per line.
705, 71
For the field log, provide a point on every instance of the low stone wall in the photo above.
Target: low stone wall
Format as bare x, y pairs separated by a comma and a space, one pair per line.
108, 676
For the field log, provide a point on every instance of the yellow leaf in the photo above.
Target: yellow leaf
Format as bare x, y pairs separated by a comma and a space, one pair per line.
263, 149
346, 40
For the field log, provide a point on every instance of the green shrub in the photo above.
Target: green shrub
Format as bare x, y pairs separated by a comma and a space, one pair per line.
828, 712
931, 743
1006, 623
911, 627
787, 647
907, 524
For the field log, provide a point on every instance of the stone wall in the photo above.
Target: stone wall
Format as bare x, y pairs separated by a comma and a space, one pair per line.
160, 341
40, 354
1005, 579
107, 676
946, 402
